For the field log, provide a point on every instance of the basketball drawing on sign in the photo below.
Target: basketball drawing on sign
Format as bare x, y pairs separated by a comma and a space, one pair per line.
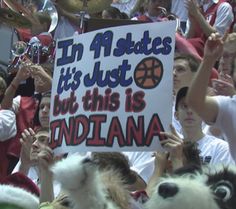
148, 73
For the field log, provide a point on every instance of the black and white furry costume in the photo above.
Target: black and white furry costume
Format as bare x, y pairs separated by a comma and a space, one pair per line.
182, 192
212, 188
91, 189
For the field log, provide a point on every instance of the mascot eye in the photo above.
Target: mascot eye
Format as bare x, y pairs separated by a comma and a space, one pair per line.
223, 190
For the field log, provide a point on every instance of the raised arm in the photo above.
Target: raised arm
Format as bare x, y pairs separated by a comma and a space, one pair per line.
205, 106
27, 138
22, 74
45, 158
195, 16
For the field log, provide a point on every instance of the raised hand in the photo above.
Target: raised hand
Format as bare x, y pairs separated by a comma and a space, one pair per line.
24, 70
45, 158
223, 87
214, 46
174, 145
161, 160
42, 81
26, 140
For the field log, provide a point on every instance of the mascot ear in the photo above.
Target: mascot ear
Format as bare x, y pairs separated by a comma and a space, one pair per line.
70, 170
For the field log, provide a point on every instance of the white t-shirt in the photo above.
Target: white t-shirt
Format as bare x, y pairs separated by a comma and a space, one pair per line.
214, 151
7, 124
226, 120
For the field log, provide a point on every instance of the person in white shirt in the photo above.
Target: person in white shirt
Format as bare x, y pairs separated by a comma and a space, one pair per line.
35, 161
212, 150
219, 111
184, 69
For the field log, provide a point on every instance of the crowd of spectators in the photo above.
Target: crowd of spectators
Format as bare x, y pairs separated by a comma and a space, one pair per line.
204, 102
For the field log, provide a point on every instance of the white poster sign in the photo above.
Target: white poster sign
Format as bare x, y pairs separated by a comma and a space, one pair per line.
112, 89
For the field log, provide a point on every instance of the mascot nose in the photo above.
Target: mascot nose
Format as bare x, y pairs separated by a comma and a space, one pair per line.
168, 189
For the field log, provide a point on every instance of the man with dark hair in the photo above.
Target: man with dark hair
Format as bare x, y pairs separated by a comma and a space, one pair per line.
35, 160
185, 67
184, 70
212, 149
